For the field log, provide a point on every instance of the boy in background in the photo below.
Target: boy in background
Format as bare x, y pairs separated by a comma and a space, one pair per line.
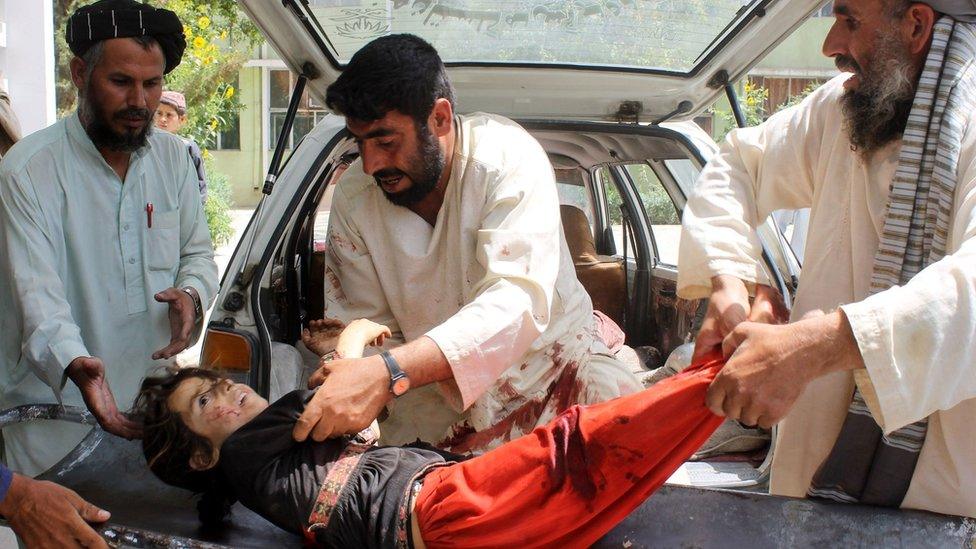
171, 116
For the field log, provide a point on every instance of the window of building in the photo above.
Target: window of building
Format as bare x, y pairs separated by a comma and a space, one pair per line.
281, 82
229, 138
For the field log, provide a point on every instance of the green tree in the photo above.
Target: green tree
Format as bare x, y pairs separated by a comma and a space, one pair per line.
217, 206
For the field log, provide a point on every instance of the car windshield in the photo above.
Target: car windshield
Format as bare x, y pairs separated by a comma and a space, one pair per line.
658, 35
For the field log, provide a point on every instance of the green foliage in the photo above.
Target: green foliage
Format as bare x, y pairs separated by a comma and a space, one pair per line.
219, 40
217, 207
615, 202
798, 98
753, 104
658, 206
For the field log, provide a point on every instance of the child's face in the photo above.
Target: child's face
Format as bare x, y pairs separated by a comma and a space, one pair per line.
167, 118
215, 409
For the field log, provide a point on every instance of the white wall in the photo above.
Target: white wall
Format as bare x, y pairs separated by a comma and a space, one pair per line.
27, 61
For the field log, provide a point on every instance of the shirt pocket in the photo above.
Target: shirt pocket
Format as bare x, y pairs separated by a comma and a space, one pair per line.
163, 241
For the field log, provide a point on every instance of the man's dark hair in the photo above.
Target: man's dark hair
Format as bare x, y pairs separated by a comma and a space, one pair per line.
399, 72
168, 443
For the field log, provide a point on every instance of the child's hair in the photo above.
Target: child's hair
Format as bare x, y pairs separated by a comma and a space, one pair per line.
169, 444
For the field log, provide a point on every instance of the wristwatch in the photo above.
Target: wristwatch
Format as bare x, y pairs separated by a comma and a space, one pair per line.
399, 382
197, 306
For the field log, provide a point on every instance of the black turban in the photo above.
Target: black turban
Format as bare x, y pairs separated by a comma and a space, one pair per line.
108, 19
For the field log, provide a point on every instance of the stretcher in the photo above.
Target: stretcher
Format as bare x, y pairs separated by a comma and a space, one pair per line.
111, 472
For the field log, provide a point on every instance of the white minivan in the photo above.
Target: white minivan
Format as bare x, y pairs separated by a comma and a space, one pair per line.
609, 88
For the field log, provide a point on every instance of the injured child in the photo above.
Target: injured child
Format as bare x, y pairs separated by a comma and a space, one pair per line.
566, 484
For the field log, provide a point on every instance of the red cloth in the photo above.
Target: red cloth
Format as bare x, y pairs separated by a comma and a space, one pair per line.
570, 482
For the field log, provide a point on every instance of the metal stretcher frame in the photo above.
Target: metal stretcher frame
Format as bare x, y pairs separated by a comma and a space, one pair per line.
111, 472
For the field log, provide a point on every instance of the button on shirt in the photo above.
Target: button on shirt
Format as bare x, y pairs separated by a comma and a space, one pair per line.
80, 263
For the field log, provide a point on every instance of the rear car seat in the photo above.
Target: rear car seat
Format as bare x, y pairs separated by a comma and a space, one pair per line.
602, 276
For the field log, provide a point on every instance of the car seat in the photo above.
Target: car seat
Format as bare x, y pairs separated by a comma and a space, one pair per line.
603, 277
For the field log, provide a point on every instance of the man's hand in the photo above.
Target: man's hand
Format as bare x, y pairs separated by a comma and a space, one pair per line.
321, 335
351, 395
768, 306
182, 319
45, 514
770, 366
88, 373
729, 306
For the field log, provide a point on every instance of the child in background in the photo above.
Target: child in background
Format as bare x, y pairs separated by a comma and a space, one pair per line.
565, 484
171, 116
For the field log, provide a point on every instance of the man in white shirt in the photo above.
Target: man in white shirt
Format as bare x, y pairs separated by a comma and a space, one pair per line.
447, 230
896, 325
105, 256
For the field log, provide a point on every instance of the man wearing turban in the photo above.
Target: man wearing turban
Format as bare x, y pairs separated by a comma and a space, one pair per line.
105, 259
874, 383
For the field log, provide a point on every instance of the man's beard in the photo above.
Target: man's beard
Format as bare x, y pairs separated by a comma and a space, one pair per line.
96, 123
424, 171
877, 111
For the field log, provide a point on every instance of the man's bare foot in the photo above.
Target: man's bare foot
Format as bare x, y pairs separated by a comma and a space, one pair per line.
321, 335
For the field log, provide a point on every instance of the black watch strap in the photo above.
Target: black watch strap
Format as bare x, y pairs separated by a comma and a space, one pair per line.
197, 306
399, 382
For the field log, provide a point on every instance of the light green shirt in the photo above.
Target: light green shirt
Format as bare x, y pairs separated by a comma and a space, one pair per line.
79, 263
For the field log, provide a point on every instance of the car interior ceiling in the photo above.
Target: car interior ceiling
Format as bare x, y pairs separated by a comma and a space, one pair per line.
591, 148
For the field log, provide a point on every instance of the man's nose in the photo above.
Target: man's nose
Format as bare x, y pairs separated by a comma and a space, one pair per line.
373, 159
835, 43
138, 96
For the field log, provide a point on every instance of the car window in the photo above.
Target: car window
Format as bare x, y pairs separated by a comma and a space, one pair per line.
662, 215
685, 173
615, 203
573, 191
663, 35
321, 226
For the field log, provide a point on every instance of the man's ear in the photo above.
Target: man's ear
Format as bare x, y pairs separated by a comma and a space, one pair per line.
201, 461
920, 19
78, 67
441, 118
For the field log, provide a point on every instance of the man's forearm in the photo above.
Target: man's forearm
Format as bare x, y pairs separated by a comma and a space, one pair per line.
829, 344
423, 361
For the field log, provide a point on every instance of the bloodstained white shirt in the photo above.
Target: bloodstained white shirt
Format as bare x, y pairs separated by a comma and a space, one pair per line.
492, 283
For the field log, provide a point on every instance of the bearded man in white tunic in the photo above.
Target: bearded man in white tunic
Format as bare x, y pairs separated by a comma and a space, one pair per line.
874, 381
105, 256
447, 230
